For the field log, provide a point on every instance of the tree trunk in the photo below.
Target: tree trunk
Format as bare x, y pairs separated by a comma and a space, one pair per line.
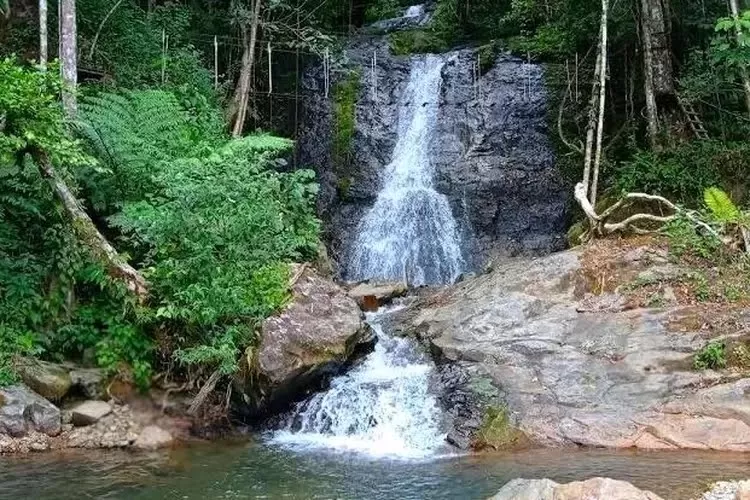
43, 45
69, 56
89, 235
652, 113
735, 9
658, 74
602, 101
655, 16
591, 125
238, 107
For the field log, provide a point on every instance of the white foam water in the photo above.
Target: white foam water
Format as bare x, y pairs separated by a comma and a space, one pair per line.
410, 234
414, 11
381, 408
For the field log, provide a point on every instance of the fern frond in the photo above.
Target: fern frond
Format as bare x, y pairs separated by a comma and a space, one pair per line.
721, 206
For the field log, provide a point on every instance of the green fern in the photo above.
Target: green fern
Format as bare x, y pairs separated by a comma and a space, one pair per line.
721, 206
131, 133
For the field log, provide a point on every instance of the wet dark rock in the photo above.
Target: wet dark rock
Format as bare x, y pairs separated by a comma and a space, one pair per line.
23, 411
492, 155
90, 382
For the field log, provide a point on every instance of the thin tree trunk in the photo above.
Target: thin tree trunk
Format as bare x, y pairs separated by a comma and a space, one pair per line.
602, 101
590, 127
89, 235
69, 56
240, 99
43, 39
735, 8
652, 112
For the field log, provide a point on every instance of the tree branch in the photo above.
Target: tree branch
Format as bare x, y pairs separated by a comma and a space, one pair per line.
88, 233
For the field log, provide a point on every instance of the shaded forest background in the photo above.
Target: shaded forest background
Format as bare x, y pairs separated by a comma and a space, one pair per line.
183, 159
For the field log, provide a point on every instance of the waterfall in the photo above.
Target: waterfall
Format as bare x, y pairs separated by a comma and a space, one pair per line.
381, 408
384, 407
409, 233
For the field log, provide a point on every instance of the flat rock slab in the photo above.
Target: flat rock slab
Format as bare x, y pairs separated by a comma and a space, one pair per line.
89, 412
568, 374
370, 296
23, 411
597, 488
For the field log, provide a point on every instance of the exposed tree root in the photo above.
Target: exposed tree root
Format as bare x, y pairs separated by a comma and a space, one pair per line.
600, 226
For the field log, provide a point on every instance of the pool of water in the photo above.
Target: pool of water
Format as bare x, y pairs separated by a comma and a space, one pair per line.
258, 471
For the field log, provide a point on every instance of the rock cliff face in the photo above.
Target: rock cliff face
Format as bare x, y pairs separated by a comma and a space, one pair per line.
570, 365
491, 153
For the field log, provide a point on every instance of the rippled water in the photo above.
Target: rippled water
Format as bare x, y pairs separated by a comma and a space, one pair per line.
257, 471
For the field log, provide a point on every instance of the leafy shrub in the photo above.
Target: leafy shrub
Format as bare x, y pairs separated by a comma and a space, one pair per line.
711, 357
211, 223
684, 239
417, 41
683, 173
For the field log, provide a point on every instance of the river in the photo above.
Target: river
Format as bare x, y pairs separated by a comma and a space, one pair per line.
257, 471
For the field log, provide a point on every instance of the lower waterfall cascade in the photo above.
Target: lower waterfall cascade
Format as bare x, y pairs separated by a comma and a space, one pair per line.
381, 408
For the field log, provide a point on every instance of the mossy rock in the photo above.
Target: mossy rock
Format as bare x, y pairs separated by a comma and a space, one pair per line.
498, 432
49, 380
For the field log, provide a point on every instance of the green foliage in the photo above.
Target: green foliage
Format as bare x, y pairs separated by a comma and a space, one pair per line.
31, 116
684, 239
684, 172
131, 131
721, 206
346, 92
129, 47
209, 220
712, 357
417, 41
383, 9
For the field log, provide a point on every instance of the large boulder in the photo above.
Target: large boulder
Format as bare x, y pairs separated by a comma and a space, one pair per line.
561, 350
318, 332
50, 380
23, 411
598, 488
90, 382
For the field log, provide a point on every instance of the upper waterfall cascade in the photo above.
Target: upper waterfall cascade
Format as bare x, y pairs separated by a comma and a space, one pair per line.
410, 233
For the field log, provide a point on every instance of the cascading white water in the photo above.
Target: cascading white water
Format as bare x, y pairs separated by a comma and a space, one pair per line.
381, 408
414, 11
410, 234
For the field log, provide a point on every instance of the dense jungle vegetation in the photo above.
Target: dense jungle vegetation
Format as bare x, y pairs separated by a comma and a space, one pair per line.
146, 219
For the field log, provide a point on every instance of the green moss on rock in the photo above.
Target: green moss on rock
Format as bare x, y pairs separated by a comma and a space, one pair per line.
498, 432
345, 94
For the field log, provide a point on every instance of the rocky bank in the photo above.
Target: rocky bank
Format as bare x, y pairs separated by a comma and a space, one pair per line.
561, 349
